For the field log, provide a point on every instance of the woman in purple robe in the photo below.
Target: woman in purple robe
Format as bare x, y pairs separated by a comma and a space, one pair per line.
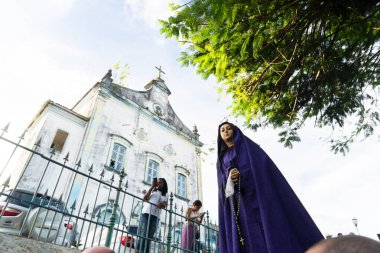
258, 210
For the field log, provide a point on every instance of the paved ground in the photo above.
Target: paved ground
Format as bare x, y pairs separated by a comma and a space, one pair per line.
15, 244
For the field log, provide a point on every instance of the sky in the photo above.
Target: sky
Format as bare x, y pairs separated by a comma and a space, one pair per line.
58, 50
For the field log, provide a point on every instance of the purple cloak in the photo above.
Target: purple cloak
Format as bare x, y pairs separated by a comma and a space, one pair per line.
272, 219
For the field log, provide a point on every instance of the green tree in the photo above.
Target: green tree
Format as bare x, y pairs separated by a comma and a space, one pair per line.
286, 61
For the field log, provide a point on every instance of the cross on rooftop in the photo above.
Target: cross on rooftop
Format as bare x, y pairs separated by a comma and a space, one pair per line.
160, 71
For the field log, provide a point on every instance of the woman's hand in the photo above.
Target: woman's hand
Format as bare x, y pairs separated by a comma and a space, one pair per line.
235, 174
154, 183
161, 204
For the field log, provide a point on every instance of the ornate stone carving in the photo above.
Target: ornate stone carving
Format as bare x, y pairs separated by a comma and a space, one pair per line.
169, 150
141, 134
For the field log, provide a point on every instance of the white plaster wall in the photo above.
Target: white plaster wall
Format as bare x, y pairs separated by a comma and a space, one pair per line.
43, 173
86, 104
20, 157
113, 116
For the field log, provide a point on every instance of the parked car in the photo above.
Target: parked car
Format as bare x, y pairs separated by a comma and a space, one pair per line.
42, 224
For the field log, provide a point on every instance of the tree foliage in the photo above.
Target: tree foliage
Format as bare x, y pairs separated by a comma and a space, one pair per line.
285, 61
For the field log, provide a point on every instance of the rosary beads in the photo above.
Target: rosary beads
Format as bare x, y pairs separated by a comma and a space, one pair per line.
236, 213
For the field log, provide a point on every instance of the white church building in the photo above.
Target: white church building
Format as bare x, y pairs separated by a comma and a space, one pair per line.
110, 129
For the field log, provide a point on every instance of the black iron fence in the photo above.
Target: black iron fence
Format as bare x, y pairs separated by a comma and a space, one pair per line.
48, 200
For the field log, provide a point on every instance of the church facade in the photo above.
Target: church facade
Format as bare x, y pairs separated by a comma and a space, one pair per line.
113, 129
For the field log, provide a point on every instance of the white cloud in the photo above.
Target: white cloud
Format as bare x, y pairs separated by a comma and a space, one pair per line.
24, 11
148, 11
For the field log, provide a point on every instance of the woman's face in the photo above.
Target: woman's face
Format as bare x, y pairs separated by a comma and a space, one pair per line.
196, 208
226, 132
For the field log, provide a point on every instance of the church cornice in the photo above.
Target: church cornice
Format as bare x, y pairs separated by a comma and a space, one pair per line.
60, 107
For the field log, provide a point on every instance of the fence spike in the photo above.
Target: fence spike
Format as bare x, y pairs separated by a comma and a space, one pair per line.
79, 163
5, 129
102, 174
67, 157
113, 178
52, 151
22, 135
45, 195
38, 143
6, 182
91, 169
59, 202
86, 210
181, 209
72, 207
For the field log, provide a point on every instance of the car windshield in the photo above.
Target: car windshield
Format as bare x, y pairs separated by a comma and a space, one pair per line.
25, 199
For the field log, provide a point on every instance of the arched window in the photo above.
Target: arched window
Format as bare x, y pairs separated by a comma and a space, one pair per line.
153, 164
103, 212
153, 168
118, 153
181, 181
181, 185
118, 157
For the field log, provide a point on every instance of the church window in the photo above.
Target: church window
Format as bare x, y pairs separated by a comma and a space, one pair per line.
153, 168
117, 154
117, 157
59, 140
181, 185
181, 181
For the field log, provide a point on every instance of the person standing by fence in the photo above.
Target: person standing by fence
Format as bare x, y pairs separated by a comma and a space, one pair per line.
157, 196
190, 231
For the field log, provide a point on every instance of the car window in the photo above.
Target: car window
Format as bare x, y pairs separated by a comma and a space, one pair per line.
132, 230
20, 199
25, 199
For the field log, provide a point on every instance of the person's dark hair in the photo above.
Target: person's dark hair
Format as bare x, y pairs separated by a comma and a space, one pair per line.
222, 147
347, 244
197, 203
353, 243
165, 187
